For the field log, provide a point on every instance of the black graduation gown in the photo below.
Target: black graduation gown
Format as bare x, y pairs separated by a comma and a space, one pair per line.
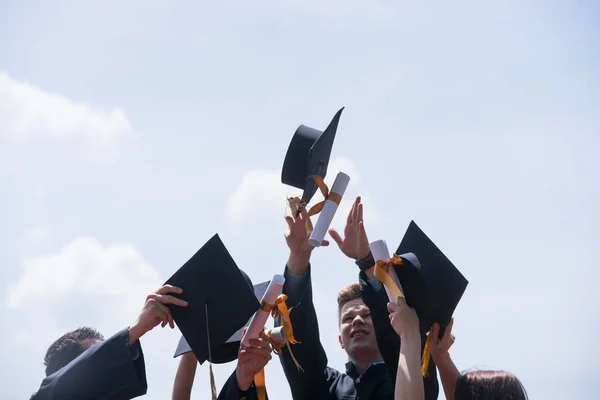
231, 391
109, 370
375, 297
318, 381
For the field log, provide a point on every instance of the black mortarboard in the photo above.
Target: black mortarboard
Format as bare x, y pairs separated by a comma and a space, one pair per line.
432, 285
308, 155
218, 292
228, 351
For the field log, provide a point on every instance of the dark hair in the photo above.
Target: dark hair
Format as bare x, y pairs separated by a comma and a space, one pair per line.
68, 347
349, 293
489, 385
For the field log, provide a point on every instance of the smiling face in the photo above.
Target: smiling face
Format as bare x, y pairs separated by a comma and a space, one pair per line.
357, 335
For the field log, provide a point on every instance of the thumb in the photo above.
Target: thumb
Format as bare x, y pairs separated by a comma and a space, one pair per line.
401, 301
391, 307
336, 237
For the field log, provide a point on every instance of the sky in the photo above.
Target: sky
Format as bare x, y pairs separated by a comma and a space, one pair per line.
131, 132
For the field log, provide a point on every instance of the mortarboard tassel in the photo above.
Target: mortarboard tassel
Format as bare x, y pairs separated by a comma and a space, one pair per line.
213, 387
426, 355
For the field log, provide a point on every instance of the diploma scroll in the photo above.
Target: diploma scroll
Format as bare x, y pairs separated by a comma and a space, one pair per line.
329, 208
380, 252
277, 335
257, 325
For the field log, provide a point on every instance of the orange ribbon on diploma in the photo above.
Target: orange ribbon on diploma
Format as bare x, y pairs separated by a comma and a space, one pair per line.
279, 309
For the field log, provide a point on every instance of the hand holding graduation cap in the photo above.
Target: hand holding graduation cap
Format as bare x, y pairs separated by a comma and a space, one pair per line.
355, 243
440, 347
155, 312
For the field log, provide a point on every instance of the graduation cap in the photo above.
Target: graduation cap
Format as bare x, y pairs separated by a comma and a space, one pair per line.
308, 155
432, 285
228, 351
220, 301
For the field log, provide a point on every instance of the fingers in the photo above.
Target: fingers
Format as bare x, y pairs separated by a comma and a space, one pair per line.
166, 299
363, 232
355, 209
303, 215
169, 289
392, 307
351, 213
325, 243
449, 327
336, 237
260, 353
359, 218
162, 312
290, 221
435, 331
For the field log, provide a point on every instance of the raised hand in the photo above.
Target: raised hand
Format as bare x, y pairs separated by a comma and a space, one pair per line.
296, 235
404, 319
156, 312
251, 359
355, 243
440, 347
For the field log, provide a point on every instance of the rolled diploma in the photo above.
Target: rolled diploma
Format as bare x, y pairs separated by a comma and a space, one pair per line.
277, 335
329, 208
380, 252
257, 325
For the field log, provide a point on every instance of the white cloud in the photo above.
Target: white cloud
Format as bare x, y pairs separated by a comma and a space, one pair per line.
85, 275
261, 193
29, 114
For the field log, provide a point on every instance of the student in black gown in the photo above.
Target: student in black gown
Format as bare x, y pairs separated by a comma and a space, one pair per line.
82, 365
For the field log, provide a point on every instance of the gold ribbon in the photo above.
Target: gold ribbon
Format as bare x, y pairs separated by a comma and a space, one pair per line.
382, 272
260, 383
314, 210
276, 310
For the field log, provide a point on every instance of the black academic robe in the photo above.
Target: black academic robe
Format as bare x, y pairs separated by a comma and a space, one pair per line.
109, 370
375, 297
318, 381
231, 391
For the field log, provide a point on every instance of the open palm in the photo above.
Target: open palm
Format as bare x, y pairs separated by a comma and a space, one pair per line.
355, 243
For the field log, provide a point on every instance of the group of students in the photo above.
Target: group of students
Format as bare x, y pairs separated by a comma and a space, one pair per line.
395, 322
384, 341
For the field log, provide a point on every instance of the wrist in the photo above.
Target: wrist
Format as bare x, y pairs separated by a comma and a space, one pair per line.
441, 359
136, 331
365, 262
244, 382
411, 336
298, 262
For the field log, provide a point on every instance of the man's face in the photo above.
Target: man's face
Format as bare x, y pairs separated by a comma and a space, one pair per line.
356, 330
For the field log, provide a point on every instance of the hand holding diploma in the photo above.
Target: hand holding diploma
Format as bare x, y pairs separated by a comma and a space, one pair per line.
384, 270
260, 317
328, 207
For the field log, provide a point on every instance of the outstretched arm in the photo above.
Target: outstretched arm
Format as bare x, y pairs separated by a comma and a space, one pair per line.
440, 354
311, 382
184, 379
409, 383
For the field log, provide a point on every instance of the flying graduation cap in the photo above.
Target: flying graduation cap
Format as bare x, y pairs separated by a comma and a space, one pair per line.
308, 155
432, 285
220, 301
228, 351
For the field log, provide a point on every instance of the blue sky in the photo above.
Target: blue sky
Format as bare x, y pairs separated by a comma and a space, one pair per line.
131, 133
